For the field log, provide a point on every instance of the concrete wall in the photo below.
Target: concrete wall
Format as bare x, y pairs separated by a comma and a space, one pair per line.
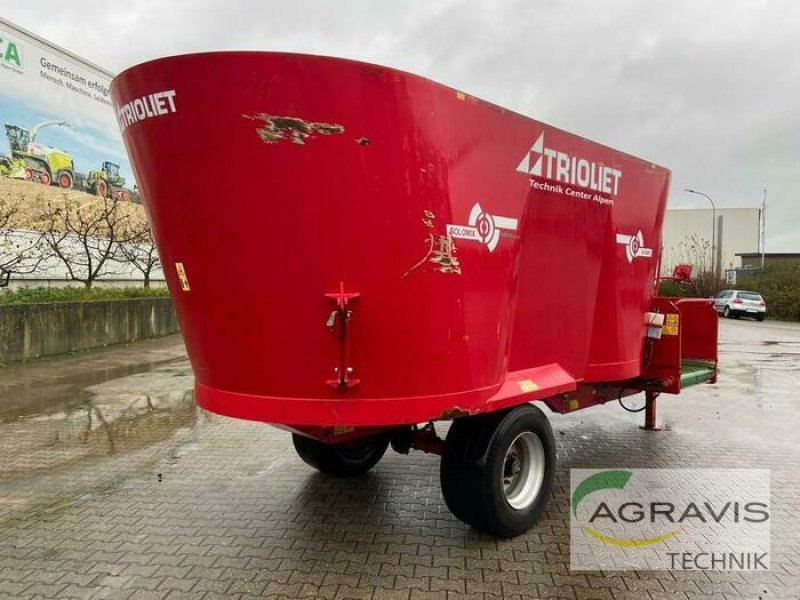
33, 330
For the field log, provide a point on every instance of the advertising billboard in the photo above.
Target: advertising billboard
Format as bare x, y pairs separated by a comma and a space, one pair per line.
58, 123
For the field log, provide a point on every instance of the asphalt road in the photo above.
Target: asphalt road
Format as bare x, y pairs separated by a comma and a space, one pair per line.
114, 485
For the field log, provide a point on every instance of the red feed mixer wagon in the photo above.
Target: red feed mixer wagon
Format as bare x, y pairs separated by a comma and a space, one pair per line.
355, 252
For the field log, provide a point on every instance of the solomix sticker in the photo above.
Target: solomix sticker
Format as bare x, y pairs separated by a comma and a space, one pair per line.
11, 54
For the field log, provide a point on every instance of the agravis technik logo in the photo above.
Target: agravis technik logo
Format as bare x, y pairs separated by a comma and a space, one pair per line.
669, 519
612, 480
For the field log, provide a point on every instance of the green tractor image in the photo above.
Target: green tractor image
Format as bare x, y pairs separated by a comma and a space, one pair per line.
38, 162
106, 182
12, 167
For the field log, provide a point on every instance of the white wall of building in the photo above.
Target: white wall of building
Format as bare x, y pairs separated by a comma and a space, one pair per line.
687, 237
51, 272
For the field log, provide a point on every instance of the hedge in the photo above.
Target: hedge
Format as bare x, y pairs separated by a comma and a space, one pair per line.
779, 285
77, 294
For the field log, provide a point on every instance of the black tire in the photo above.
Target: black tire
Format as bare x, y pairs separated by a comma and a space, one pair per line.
342, 460
760, 317
727, 312
476, 461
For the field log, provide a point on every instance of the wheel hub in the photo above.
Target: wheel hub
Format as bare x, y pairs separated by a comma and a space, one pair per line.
523, 470
355, 451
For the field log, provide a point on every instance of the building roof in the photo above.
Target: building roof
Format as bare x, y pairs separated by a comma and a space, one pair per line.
770, 254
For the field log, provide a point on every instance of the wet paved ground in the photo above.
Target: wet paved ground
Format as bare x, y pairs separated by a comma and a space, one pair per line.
113, 485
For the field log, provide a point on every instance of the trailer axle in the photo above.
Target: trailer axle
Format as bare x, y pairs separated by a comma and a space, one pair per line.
423, 438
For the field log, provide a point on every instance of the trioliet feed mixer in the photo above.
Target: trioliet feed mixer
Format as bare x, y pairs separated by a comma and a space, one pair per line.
356, 252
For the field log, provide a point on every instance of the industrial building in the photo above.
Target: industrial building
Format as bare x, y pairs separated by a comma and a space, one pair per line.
689, 234
753, 260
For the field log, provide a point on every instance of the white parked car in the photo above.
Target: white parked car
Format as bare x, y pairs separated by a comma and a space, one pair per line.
738, 303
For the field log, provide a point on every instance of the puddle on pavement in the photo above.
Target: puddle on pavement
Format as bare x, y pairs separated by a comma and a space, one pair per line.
55, 425
65, 392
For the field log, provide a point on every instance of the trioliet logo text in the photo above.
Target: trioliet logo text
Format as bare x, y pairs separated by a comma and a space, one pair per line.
551, 167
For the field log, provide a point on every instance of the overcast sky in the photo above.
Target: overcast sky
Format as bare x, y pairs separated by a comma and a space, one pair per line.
708, 89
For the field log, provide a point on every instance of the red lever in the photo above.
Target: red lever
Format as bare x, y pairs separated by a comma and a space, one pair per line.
343, 314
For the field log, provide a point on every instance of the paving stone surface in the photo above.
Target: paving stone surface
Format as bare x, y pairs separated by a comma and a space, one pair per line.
113, 485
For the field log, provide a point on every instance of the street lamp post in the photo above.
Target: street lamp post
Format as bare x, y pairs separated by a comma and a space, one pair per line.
713, 229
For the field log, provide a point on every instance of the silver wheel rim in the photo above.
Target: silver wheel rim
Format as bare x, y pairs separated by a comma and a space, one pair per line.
523, 470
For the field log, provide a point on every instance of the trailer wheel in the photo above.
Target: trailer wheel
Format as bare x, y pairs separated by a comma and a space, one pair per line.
101, 189
342, 460
44, 178
497, 469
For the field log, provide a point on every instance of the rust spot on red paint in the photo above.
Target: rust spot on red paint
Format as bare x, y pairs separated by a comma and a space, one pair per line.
297, 130
441, 250
454, 413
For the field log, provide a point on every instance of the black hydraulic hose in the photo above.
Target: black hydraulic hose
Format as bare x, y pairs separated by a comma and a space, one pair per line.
622, 404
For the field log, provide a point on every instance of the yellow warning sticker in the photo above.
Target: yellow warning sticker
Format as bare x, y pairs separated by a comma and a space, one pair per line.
671, 324
574, 404
526, 385
182, 276
461, 95
342, 429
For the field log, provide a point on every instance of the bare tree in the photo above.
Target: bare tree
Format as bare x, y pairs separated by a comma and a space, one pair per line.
695, 250
140, 252
86, 236
21, 251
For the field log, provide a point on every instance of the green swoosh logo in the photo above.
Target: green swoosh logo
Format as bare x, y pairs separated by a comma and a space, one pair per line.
611, 480
599, 481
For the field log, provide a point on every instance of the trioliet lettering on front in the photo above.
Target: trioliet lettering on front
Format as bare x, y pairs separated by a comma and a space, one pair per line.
146, 107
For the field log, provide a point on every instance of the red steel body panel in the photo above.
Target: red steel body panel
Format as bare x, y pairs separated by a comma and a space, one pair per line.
496, 259
693, 338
